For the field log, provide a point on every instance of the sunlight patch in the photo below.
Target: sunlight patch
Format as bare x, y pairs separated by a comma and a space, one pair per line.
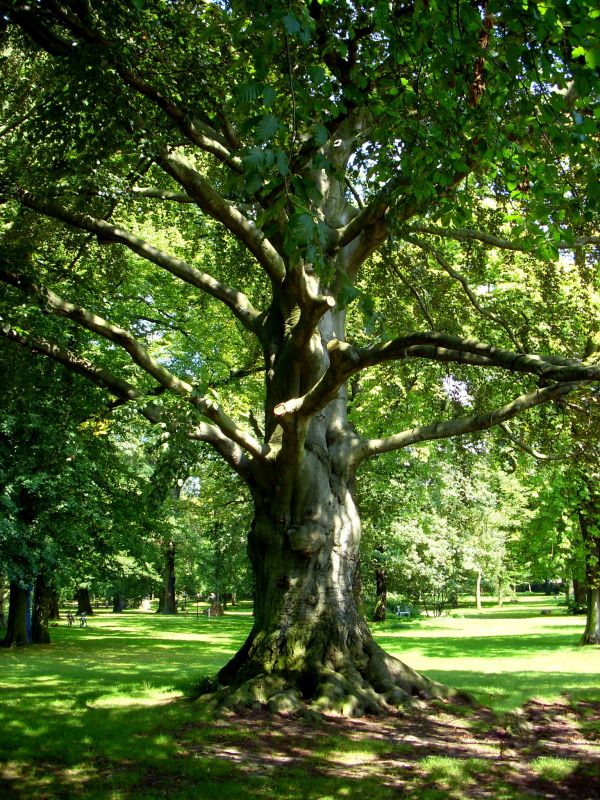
121, 701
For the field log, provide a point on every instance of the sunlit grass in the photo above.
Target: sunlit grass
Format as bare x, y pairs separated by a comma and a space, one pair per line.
502, 656
554, 769
103, 712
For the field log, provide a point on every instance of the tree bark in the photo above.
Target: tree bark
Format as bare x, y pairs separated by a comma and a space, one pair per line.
84, 604
42, 600
380, 609
478, 591
2, 593
591, 634
309, 644
167, 602
17, 632
54, 610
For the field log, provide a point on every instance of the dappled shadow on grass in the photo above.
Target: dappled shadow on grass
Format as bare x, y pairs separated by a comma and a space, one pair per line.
426, 754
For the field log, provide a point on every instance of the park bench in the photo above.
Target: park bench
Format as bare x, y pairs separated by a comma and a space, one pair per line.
403, 611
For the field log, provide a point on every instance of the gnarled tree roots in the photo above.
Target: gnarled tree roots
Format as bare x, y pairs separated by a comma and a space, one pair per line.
384, 684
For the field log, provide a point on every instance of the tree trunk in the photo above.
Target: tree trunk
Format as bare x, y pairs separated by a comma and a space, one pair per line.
84, 604
17, 629
119, 602
579, 591
309, 644
54, 609
591, 539
380, 609
42, 599
478, 591
167, 602
2, 593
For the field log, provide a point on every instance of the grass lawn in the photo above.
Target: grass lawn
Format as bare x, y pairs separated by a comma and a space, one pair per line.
103, 713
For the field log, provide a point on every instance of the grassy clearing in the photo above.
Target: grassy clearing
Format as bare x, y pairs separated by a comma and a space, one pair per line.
102, 713
502, 656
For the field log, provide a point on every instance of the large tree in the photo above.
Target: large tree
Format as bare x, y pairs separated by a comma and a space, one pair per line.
276, 153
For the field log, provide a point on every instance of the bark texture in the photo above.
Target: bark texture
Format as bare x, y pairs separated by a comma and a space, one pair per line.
84, 604
309, 645
42, 601
167, 601
17, 632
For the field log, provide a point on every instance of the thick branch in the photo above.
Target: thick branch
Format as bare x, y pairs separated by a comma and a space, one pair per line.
213, 204
139, 355
82, 366
237, 302
468, 234
346, 360
231, 452
463, 425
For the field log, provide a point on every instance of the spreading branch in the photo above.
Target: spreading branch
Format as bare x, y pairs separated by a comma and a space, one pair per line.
55, 304
106, 232
213, 204
468, 234
346, 360
124, 391
462, 425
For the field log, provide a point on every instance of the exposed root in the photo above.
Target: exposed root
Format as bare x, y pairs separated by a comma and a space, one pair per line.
383, 685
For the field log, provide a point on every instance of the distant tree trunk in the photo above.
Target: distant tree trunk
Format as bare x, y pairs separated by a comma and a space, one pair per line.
167, 602
2, 593
16, 629
54, 608
579, 591
119, 602
83, 601
500, 592
591, 538
380, 610
42, 599
478, 591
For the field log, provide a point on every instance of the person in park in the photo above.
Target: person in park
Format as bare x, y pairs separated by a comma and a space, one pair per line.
82, 620
231, 216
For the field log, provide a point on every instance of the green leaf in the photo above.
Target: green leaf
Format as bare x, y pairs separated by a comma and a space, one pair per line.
267, 128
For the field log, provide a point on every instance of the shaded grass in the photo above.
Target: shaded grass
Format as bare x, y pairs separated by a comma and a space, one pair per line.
103, 713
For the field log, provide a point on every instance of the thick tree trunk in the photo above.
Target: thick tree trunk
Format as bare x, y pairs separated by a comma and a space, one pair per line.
84, 604
42, 600
119, 602
309, 644
167, 602
17, 629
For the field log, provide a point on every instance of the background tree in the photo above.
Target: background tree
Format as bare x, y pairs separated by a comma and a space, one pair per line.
284, 144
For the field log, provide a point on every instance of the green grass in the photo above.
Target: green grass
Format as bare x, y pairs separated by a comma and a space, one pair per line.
502, 656
103, 712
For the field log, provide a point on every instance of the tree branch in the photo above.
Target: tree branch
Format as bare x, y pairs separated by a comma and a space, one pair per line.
213, 204
237, 302
346, 360
468, 234
467, 289
34, 22
139, 355
97, 375
462, 425
526, 448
